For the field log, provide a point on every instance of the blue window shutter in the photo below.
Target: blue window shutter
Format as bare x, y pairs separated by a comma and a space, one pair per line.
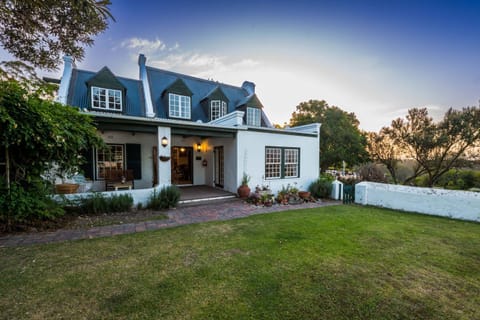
134, 159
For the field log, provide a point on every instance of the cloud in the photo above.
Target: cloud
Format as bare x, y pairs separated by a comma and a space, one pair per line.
195, 63
144, 45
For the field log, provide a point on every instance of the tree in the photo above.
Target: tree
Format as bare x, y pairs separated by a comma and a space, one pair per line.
36, 134
383, 150
340, 137
435, 147
40, 31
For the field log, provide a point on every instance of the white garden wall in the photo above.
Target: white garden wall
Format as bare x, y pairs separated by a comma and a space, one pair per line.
448, 203
138, 195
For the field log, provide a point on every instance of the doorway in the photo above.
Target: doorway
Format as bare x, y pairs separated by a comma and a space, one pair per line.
219, 166
182, 165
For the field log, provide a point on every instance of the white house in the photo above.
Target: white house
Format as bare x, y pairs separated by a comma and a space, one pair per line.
170, 128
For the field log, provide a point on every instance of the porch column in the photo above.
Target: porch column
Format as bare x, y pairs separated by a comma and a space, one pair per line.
164, 156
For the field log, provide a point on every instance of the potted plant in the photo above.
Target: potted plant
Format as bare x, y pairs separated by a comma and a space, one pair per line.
244, 191
266, 199
305, 195
66, 187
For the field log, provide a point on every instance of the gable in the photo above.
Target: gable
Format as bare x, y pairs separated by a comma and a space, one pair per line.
216, 94
178, 87
251, 101
105, 79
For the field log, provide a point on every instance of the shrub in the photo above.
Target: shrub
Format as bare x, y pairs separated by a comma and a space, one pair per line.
26, 205
168, 197
455, 179
372, 172
98, 203
322, 187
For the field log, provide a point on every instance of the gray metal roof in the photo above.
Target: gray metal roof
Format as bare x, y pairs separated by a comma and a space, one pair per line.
159, 81
162, 79
78, 92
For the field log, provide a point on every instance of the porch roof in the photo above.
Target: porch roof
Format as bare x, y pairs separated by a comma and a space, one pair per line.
109, 121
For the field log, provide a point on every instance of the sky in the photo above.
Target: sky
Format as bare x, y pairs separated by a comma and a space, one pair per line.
374, 58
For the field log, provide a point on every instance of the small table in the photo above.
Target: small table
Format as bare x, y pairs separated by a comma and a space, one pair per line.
125, 185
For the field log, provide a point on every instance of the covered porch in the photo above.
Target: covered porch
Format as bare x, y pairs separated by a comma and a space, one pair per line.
167, 152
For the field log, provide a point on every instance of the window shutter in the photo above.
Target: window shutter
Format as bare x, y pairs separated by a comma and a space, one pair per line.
87, 167
134, 159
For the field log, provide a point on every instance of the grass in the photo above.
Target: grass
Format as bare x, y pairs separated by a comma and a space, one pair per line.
340, 262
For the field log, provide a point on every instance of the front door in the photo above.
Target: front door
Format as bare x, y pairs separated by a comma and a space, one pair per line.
182, 165
219, 167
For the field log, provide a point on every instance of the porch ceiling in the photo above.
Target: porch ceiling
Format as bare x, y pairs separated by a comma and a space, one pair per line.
117, 124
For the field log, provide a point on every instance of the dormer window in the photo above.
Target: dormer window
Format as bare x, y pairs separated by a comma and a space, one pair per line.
253, 117
106, 99
179, 106
218, 109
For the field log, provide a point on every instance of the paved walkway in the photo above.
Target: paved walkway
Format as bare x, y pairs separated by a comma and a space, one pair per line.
226, 210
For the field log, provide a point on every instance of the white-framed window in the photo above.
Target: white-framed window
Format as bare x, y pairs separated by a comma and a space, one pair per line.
273, 162
179, 106
290, 168
253, 117
112, 158
218, 109
282, 162
106, 99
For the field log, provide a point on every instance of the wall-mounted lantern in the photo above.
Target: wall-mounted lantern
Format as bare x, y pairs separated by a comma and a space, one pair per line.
164, 142
199, 147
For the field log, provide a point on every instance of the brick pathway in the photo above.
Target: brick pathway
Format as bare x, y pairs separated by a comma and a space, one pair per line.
226, 210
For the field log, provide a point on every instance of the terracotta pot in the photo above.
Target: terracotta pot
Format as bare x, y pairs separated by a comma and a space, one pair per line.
243, 191
66, 188
304, 194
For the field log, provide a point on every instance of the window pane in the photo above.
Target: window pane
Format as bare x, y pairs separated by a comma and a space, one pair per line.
253, 117
272, 162
179, 106
106, 99
291, 163
110, 159
215, 110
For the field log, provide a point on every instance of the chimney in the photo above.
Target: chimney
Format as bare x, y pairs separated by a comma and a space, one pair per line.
146, 86
249, 87
68, 66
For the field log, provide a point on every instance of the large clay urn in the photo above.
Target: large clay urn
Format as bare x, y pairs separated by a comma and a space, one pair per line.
243, 191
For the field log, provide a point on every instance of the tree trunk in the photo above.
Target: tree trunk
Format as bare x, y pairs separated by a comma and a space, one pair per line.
7, 168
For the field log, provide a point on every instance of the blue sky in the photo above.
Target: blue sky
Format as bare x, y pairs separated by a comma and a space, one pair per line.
374, 58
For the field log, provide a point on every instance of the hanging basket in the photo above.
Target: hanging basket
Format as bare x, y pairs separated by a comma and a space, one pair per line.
164, 158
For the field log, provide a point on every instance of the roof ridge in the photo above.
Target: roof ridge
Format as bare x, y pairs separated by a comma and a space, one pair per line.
95, 72
218, 83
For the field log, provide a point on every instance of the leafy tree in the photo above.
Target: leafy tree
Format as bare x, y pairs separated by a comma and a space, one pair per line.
383, 150
36, 134
435, 147
340, 137
39, 32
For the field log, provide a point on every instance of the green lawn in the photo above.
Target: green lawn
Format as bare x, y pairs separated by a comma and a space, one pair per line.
339, 262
